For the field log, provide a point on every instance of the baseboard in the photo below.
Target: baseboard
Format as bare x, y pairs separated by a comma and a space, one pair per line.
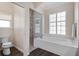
26, 54
18, 48
23, 51
32, 49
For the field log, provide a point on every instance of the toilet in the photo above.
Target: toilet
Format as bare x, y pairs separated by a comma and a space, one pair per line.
6, 48
6, 45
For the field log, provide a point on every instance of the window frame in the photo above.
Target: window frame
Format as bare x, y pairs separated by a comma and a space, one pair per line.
57, 22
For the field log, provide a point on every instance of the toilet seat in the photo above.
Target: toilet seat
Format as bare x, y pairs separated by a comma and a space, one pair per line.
7, 45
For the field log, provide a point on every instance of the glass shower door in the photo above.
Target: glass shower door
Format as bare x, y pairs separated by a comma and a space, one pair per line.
38, 24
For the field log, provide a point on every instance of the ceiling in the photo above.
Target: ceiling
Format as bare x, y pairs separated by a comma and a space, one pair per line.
36, 4
48, 5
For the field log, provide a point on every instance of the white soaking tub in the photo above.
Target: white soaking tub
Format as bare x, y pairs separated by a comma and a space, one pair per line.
64, 46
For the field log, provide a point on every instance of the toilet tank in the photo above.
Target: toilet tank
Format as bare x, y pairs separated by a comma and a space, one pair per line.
3, 39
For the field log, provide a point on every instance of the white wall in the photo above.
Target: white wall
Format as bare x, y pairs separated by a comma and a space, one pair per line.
27, 27
6, 14
77, 17
19, 27
23, 27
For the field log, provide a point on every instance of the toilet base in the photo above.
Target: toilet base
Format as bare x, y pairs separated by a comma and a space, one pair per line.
6, 51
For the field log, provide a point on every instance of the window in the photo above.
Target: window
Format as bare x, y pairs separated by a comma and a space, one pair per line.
5, 20
57, 23
4, 23
52, 24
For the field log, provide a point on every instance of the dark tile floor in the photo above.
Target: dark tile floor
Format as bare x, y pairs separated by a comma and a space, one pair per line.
14, 52
36, 52
41, 52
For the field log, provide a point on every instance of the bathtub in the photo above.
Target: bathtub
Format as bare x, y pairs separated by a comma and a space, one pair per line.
63, 46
